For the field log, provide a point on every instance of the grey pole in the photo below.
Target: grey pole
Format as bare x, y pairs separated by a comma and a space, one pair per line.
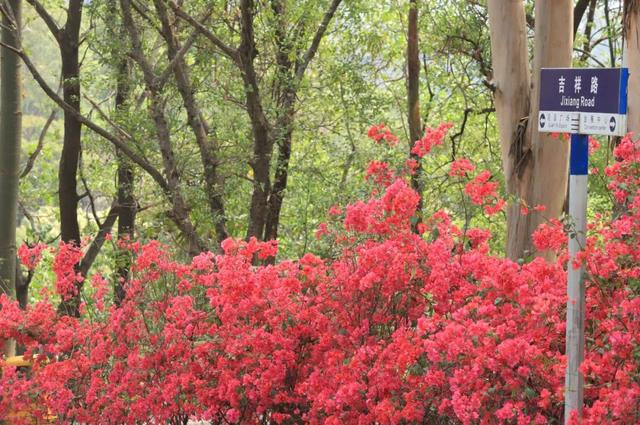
574, 381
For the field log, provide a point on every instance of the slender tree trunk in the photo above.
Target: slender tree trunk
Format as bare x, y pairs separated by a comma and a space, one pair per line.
267, 198
126, 223
206, 144
126, 200
22, 296
284, 139
22, 287
413, 99
179, 213
67, 174
262, 139
578, 13
535, 165
10, 137
180, 209
285, 98
631, 28
69, 42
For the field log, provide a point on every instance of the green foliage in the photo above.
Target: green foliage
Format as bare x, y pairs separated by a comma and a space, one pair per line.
356, 79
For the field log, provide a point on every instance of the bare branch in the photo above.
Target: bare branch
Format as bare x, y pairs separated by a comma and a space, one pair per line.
315, 43
32, 158
47, 18
105, 117
92, 203
164, 76
91, 254
225, 48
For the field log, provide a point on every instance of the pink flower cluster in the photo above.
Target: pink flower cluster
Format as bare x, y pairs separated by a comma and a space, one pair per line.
30, 256
381, 133
432, 137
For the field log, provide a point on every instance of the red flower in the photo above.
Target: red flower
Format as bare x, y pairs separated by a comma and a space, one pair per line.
432, 137
461, 167
380, 132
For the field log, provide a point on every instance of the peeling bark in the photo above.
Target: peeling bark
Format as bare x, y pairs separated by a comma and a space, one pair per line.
535, 165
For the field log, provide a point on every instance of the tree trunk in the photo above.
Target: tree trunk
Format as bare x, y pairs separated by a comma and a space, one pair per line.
578, 13
413, 99
68, 196
285, 98
284, 130
532, 162
22, 286
206, 144
22, 296
10, 137
126, 201
632, 45
69, 42
266, 200
588, 30
510, 57
553, 49
179, 213
262, 139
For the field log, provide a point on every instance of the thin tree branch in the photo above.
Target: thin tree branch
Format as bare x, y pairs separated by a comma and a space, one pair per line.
56, 31
32, 158
144, 13
164, 76
27, 215
587, 54
105, 117
460, 133
137, 51
88, 193
91, 254
315, 43
225, 48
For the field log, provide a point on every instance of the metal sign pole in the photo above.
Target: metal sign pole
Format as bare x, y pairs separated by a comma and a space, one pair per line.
574, 381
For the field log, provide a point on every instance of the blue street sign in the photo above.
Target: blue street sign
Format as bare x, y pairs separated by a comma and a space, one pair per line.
583, 100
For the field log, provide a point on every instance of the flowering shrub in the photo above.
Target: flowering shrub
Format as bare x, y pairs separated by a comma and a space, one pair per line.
399, 328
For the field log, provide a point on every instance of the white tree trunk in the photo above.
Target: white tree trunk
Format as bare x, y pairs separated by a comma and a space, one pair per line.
535, 165
510, 62
553, 49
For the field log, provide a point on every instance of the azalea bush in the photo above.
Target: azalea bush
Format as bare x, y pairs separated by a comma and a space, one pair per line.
396, 328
